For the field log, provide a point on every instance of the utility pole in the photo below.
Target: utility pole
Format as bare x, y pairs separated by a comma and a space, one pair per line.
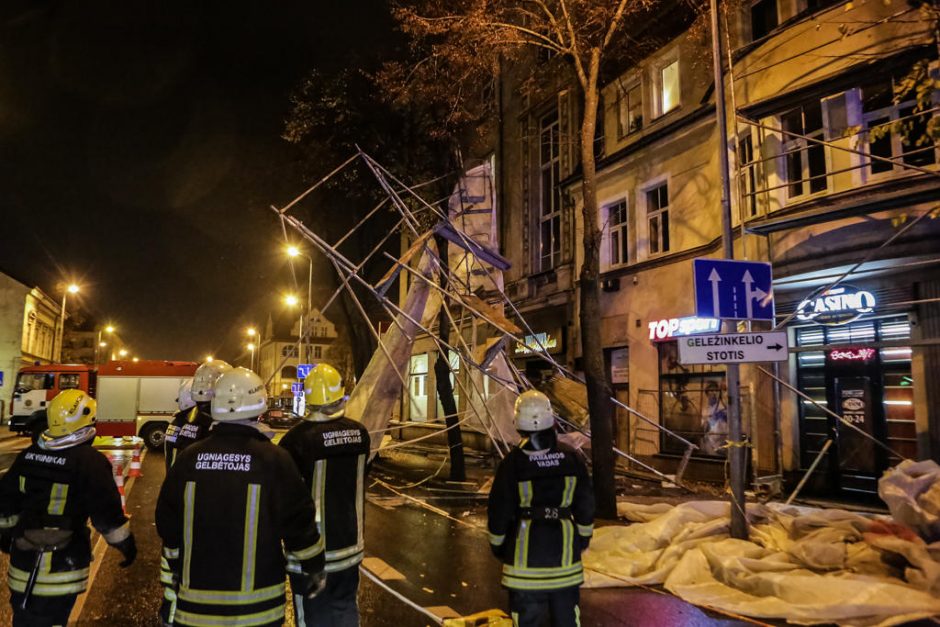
736, 450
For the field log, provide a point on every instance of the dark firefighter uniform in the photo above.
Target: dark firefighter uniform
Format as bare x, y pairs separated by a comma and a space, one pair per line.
57, 489
332, 456
188, 426
225, 508
541, 513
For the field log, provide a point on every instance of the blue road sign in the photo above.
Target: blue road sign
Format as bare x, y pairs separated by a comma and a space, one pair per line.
297, 389
303, 370
734, 290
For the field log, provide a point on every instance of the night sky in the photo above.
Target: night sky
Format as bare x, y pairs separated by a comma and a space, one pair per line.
140, 149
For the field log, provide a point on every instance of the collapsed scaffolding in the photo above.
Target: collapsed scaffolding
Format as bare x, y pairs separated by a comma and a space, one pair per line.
462, 289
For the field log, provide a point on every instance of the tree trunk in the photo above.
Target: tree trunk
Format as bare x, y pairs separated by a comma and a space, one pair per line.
599, 390
445, 391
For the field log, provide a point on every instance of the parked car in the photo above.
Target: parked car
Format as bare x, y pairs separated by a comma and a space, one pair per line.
278, 418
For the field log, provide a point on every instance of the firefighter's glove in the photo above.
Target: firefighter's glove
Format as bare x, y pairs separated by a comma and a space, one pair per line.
313, 584
128, 548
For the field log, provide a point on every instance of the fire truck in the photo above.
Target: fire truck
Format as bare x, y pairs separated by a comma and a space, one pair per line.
134, 397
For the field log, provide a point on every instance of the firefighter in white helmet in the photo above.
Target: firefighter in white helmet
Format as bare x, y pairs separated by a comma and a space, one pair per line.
191, 423
46, 500
232, 513
540, 518
332, 453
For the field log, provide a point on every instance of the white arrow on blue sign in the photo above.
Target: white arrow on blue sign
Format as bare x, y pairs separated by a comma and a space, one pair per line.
303, 370
297, 389
733, 290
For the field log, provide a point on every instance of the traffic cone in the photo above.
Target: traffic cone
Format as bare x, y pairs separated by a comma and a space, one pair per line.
135, 465
119, 481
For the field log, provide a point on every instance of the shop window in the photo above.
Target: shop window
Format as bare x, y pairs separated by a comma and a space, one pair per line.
629, 109
454, 362
693, 404
893, 130
748, 173
805, 160
69, 381
549, 223
666, 79
418, 388
764, 18
617, 234
657, 212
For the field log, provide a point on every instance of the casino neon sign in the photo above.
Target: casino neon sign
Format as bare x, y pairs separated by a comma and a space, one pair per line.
839, 305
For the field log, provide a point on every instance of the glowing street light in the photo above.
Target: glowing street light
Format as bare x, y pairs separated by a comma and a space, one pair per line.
135, 359
291, 300
109, 329
209, 358
73, 288
293, 251
251, 332
123, 352
102, 344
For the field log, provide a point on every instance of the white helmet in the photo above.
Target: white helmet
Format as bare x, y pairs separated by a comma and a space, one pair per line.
238, 394
205, 378
185, 397
533, 412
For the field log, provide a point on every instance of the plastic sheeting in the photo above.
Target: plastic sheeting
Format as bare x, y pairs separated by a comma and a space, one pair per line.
802, 565
912, 492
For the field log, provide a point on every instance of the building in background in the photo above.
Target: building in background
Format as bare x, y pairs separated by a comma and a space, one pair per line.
28, 320
91, 343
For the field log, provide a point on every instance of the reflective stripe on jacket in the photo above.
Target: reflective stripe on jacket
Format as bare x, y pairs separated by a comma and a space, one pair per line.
332, 457
540, 512
225, 508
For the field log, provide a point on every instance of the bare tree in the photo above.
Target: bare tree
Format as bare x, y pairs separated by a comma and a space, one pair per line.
459, 45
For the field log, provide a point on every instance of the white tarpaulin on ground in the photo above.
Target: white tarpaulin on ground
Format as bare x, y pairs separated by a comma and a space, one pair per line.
805, 566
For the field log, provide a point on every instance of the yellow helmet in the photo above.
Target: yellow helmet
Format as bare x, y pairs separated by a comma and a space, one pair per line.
69, 411
323, 386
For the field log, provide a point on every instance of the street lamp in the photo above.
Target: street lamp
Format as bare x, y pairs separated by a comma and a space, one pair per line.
123, 352
71, 288
251, 356
109, 330
135, 360
209, 358
292, 252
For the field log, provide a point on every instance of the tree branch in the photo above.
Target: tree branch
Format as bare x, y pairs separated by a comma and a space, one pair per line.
614, 23
575, 55
542, 40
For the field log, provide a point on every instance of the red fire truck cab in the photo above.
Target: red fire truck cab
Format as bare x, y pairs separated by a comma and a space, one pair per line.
134, 397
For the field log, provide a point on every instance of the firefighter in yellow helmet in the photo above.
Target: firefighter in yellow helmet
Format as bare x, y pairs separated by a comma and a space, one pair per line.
541, 516
46, 500
232, 513
332, 453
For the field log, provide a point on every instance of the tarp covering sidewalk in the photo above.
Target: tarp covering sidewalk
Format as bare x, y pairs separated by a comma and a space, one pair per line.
803, 565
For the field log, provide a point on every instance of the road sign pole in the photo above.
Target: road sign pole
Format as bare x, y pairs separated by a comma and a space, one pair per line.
736, 449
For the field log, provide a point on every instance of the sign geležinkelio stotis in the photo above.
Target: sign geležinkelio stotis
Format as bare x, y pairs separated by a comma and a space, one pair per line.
733, 348
733, 290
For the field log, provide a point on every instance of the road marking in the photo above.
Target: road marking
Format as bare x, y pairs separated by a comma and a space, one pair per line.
382, 569
97, 556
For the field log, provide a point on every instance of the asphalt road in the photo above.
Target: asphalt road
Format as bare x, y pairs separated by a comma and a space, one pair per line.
10, 446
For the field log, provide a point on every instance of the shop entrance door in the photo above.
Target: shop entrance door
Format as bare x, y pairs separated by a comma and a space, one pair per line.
854, 391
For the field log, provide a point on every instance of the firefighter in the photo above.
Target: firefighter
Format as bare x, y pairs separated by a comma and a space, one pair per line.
46, 500
332, 452
232, 512
192, 421
541, 514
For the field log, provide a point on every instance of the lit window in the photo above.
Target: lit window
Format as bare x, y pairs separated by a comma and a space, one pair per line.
418, 388
629, 110
657, 211
617, 229
549, 220
805, 160
669, 87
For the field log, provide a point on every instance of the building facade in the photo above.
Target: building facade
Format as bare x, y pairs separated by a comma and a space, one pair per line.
813, 99
28, 320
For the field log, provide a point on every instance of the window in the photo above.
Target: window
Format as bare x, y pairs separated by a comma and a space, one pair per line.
805, 161
289, 372
418, 388
617, 229
289, 351
550, 210
318, 352
763, 18
894, 130
27, 382
748, 173
657, 212
629, 109
667, 81
69, 381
